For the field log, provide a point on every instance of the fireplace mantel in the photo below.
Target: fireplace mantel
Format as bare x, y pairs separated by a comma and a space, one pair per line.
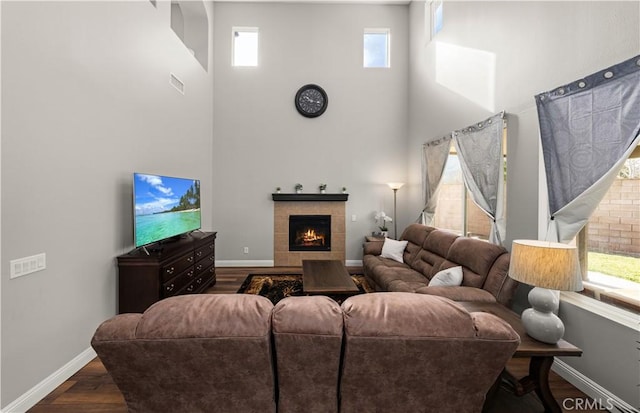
310, 197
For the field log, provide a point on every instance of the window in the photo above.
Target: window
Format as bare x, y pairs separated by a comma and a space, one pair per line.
609, 245
376, 47
245, 46
437, 17
455, 210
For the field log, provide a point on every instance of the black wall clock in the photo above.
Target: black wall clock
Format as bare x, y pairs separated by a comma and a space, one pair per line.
311, 101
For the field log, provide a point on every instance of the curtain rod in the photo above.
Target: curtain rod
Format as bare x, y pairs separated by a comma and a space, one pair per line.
450, 135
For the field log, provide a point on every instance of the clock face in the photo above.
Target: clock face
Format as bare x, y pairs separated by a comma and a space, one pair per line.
311, 101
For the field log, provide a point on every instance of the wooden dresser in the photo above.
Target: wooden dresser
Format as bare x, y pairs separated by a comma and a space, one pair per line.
185, 266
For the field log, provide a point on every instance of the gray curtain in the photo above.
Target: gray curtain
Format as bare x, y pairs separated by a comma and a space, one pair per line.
480, 152
434, 159
588, 128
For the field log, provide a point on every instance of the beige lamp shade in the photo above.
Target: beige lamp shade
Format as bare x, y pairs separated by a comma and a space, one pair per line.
395, 185
545, 264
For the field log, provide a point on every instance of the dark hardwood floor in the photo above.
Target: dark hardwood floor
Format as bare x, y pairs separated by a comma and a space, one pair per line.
91, 389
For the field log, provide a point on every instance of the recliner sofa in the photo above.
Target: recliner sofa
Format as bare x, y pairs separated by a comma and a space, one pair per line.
391, 352
429, 250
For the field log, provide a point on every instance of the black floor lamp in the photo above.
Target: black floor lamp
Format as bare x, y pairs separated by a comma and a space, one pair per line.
395, 186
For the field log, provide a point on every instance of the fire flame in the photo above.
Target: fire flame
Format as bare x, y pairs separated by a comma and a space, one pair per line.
310, 236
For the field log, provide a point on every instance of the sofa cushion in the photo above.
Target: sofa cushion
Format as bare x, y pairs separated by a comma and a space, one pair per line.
393, 314
185, 347
476, 256
459, 293
393, 249
218, 315
376, 260
406, 353
384, 275
497, 284
307, 329
433, 252
450, 277
405, 286
415, 234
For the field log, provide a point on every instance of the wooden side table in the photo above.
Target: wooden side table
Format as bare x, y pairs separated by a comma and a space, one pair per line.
541, 354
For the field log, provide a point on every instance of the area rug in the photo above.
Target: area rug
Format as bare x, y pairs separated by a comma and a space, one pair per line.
278, 286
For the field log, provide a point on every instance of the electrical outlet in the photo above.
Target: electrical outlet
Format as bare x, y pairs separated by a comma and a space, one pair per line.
354, 218
27, 265
246, 250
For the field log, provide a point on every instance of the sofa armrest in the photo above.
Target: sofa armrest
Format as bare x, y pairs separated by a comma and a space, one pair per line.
120, 327
373, 247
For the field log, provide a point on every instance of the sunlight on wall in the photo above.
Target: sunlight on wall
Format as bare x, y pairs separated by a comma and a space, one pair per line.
470, 73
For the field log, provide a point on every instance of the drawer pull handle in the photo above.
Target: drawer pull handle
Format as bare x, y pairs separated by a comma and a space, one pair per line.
199, 267
190, 274
170, 287
190, 259
212, 258
170, 270
199, 254
211, 246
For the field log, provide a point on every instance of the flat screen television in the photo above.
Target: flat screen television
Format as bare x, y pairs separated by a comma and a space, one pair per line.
164, 207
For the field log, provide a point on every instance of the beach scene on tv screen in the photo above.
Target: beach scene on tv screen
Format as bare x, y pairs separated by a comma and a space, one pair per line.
164, 207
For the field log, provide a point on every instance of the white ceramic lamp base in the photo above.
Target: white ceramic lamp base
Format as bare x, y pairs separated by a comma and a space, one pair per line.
539, 321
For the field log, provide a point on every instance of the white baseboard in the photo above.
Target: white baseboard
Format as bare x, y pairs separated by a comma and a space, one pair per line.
353, 263
592, 389
49, 384
244, 263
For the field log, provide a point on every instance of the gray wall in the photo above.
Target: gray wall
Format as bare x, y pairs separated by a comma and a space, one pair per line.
261, 142
86, 101
520, 49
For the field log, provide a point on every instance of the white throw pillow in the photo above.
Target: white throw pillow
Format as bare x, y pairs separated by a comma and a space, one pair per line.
449, 277
393, 249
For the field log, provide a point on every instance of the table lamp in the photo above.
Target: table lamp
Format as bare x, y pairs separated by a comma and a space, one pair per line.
546, 266
395, 186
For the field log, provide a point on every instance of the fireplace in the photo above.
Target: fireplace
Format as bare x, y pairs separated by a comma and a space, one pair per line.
310, 233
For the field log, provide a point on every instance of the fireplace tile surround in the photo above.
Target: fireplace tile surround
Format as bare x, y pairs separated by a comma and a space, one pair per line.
282, 257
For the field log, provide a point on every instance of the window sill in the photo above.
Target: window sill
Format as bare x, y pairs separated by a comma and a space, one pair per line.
629, 299
618, 315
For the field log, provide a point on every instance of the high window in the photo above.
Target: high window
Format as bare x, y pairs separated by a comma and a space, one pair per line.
377, 46
245, 46
437, 17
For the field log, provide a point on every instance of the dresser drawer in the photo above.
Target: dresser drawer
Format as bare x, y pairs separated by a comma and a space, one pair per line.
194, 285
204, 251
203, 265
174, 285
176, 266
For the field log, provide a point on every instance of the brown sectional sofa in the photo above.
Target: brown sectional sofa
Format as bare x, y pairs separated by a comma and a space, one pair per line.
429, 250
391, 352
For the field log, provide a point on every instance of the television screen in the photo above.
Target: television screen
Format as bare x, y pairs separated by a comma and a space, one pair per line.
164, 207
